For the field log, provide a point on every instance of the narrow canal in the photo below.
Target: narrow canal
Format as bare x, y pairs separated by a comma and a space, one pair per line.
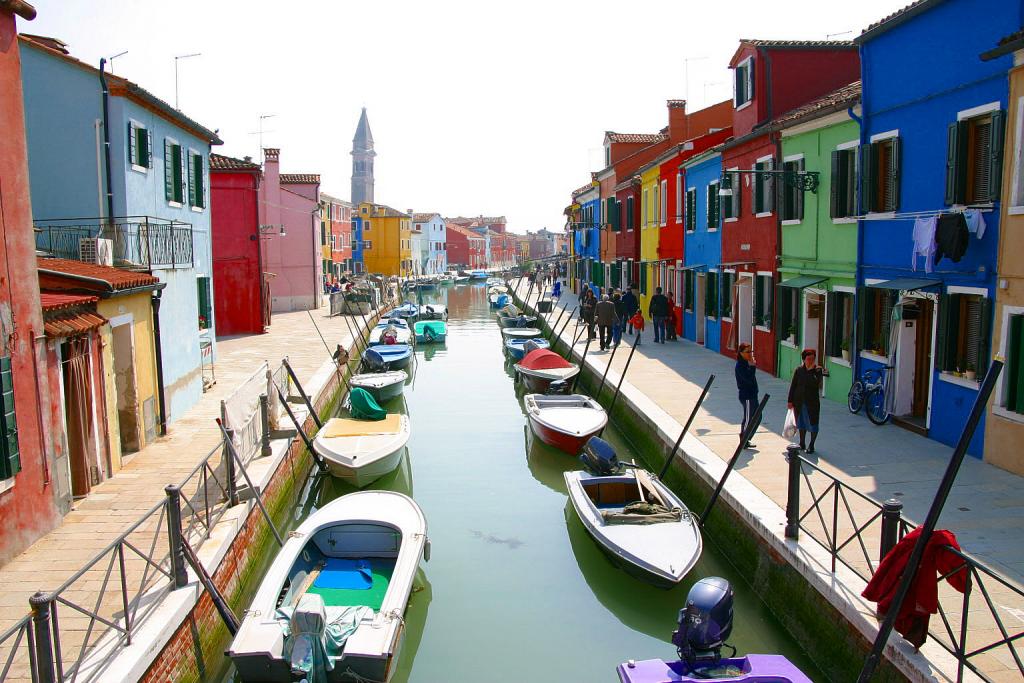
515, 589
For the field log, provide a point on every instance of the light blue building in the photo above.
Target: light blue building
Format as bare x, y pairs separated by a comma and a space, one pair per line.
435, 238
931, 148
702, 245
146, 198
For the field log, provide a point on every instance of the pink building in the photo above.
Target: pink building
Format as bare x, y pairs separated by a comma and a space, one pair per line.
290, 235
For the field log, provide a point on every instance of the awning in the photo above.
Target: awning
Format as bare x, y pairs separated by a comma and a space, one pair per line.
696, 267
906, 283
801, 281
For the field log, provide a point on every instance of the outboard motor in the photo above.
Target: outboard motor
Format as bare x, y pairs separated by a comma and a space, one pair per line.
599, 457
706, 621
530, 345
374, 362
559, 387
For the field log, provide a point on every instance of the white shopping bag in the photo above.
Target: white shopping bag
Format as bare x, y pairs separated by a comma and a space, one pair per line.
789, 428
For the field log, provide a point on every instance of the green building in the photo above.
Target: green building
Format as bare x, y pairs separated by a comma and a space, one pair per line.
815, 299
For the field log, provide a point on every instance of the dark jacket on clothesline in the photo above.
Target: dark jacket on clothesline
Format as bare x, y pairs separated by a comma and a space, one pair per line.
951, 237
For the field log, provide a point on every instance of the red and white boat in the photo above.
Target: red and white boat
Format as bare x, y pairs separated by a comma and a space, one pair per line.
539, 368
565, 422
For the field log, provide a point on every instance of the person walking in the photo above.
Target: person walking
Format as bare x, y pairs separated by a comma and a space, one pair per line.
619, 315
658, 310
587, 304
746, 384
637, 323
670, 327
630, 305
605, 312
556, 291
805, 396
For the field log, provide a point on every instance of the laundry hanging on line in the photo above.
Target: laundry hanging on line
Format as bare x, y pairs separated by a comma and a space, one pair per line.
924, 241
951, 237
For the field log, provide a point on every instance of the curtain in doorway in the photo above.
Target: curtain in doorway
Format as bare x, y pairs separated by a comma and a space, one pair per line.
734, 334
889, 383
78, 415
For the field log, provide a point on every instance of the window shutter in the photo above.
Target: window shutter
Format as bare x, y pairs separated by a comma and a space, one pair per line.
895, 163
716, 202
737, 196
132, 148
750, 79
785, 312
995, 159
758, 190
710, 205
984, 334
867, 178
1015, 365
799, 193
836, 199
863, 323
10, 454
200, 182
169, 165
956, 178
943, 348
192, 183
149, 149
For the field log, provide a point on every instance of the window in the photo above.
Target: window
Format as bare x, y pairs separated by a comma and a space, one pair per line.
174, 172
609, 209
205, 299
974, 159
838, 323
367, 244
645, 210
731, 206
962, 338
140, 145
196, 181
617, 216
874, 317
712, 203
743, 82
10, 453
843, 193
691, 209
792, 196
727, 282
629, 212
679, 198
1014, 372
711, 295
763, 301
366, 226
663, 207
643, 278
764, 186
789, 314
880, 175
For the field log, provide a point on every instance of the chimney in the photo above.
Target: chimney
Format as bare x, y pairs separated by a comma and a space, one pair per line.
678, 125
271, 153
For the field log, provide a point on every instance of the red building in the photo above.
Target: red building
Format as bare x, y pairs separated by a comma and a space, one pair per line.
770, 77
241, 295
466, 249
337, 224
32, 496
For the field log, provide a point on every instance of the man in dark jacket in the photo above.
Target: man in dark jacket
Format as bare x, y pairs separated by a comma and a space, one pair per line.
631, 306
620, 312
658, 310
746, 383
605, 311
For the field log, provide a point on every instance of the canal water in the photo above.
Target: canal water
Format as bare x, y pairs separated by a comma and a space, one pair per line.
515, 589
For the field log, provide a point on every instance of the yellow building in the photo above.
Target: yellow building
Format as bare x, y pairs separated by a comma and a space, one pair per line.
652, 217
387, 240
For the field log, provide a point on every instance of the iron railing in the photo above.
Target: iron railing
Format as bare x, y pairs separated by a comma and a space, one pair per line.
143, 242
857, 532
17, 649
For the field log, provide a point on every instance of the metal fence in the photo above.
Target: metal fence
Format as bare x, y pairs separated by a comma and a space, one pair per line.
857, 532
135, 241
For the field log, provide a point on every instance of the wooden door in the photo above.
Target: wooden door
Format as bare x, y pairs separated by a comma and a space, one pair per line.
923, 358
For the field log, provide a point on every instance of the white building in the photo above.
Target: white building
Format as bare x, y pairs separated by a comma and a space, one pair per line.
432, 228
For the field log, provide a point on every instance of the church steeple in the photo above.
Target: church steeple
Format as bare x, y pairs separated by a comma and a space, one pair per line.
362, 161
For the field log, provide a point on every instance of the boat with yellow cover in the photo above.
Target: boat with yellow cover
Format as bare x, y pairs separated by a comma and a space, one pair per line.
362, 451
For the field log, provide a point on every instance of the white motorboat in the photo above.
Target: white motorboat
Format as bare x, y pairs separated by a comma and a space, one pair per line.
401, 333
383, 386
565, 422
637, 520
362, 451
520, 332
433, 312
331, 606
540, 367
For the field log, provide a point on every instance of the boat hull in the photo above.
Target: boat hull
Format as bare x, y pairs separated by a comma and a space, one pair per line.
754, 668
386, 392
509, 322
538, 384
568, 443
366, 475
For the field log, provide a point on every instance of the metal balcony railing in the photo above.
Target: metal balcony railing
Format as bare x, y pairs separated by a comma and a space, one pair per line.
136, 242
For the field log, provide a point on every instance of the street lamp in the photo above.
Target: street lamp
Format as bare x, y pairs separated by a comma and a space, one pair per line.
194, 54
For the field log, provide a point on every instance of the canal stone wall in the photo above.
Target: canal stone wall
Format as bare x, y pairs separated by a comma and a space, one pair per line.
193, 649
816, 607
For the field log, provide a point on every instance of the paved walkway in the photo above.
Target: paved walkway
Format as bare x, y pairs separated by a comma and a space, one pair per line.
985, 508
116, 503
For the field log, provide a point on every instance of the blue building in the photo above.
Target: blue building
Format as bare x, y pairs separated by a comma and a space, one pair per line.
358, 264
143, 205
586, 235
931, 149
702, 245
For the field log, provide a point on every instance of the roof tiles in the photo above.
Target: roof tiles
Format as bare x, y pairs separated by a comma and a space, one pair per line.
798, 44
301, 178
219, 162
114, 278
65, 315
636, 137
844, 96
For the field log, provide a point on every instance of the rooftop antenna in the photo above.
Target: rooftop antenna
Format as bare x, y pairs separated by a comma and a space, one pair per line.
110, 60
260, 132
176, 60
830, 36
686, 73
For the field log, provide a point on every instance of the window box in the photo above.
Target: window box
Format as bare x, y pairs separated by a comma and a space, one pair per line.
953, 378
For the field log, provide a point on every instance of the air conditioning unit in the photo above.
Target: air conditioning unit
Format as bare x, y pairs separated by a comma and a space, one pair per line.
96, 250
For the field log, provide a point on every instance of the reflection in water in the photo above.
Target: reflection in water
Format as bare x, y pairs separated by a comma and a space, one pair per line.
415, 623
547, 464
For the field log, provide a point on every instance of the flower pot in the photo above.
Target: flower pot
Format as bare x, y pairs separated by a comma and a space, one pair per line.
846, 355
970, 374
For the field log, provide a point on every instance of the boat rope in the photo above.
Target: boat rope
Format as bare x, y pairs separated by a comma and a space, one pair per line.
356, 678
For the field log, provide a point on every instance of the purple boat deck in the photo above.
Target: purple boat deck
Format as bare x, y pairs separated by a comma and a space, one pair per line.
749, 669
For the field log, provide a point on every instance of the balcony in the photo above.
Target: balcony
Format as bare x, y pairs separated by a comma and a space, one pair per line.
132, 242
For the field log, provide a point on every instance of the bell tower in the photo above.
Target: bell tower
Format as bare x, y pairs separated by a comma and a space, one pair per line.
362, 162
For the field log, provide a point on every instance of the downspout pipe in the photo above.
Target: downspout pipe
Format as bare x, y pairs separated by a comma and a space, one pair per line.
106, 139
863, 136
155, 301
259, 250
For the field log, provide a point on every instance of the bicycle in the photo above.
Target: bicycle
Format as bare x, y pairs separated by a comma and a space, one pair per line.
869, 391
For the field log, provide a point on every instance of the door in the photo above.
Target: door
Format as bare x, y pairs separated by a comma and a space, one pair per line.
127, 393
78, 414
745, 309
922, 358
698, 305
814, 323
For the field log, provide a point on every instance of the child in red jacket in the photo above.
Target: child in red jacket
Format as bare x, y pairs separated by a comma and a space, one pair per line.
637, 321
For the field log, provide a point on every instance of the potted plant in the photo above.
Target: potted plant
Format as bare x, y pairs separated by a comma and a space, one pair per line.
791, 333
845, 349
971, 372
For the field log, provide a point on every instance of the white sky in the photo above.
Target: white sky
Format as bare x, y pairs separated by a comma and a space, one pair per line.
476, 107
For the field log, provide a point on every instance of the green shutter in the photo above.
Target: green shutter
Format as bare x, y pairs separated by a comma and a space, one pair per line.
200, 182
956, 176
895, 164
192, 180
180, 190
149, 149
868, 192
132, 144
798, 193
1015, 365
945, 351
169, 165
984, 335
995, 159
10, 455
782, 296
837, 188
